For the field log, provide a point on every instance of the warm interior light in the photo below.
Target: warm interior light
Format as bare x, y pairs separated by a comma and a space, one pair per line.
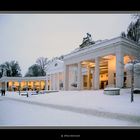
128, 59
108, 57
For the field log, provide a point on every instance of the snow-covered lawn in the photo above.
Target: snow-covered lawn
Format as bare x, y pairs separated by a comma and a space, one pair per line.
23, 113
94, 99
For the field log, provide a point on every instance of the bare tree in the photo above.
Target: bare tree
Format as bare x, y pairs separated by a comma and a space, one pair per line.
42, 62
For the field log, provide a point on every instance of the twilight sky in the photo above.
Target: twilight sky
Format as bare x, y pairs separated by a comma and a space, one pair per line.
25, 37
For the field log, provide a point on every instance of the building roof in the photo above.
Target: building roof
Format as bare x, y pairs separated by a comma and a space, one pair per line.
55, 66
100, 44
22, 78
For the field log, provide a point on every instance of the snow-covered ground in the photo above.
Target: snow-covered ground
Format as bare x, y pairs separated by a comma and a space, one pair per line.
26, 111
89, 99
21, 114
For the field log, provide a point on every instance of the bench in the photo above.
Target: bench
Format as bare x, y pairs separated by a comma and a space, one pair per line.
24, 94
47, 91
28, 93
112, 91
136, 91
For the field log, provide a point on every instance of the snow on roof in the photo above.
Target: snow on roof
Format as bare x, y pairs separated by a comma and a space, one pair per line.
88, 46
101, 43
55, 66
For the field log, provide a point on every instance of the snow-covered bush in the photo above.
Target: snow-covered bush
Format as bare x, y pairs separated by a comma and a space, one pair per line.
129, 66
137, 68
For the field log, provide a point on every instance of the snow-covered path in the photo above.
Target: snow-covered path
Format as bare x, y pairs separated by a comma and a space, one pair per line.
93, 112
70, 108
15, 113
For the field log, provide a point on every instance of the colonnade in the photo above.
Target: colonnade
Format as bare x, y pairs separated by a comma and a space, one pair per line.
54, 80
119, 73
7, 85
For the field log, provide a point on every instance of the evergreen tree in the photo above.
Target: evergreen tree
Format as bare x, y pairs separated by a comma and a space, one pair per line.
12, 69
33, 71
133, 31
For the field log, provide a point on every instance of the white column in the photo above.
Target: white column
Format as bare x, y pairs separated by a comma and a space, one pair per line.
97, 74
88, 77
81, 80
128, 79
40, 84
51, 86
66, 77
79, 76
5, 85
26, 85
33, 85
93, 78
119, 68
55, 77
46, 85
51, 81
19, 85
12, 86
54, 81
58, 81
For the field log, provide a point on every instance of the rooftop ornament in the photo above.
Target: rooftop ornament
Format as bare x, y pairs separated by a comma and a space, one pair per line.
87, 41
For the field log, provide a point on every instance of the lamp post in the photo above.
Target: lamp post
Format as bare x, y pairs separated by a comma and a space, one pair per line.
132, 83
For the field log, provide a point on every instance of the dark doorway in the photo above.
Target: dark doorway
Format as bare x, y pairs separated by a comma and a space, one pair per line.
103, 84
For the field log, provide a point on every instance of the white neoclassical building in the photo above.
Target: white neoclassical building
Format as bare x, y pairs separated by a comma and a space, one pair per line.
100, 63
23, 83
55, 75
92, 65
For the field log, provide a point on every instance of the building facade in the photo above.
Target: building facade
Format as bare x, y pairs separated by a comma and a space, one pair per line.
91, 66
55, 75
23, 83
100, 64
